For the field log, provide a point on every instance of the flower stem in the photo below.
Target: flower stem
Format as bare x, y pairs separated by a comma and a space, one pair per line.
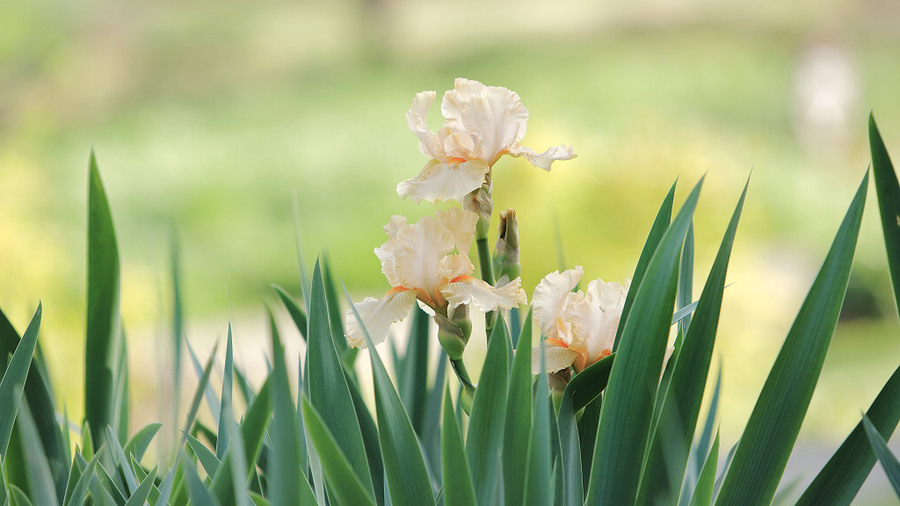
487, 272
468, 392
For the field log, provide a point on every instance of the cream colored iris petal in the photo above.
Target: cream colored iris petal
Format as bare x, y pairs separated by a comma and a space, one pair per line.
499, 119
411, 259
545, 159
461, 224
486, 297
444, 181
395, 225
550, 296
606, 301
377, 315
453, 266
556, 358
429, 143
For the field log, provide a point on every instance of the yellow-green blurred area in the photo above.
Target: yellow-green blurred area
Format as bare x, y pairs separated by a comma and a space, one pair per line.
212, 116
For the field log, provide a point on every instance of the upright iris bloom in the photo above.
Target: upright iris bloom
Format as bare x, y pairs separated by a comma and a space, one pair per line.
428, 261
580, 327
481, 124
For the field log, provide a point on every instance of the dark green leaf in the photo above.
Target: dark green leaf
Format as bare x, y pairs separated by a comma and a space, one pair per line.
704, 490
212, 401
848, 468
39, 396
766, 443
198, 394
630, 396
13, 382
103, 334
589, 383
484, 438
518, 421
458, 489
888, 460
413, 378
177, 315
670, 447
888, 191
660, 224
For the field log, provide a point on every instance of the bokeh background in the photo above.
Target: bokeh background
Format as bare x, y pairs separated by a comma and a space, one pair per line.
211, 118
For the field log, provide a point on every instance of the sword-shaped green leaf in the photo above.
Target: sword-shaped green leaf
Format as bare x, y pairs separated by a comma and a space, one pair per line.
458, 488
771, 431
627, 409
518, 421
13, 382
103, 332
888, 460
670, 447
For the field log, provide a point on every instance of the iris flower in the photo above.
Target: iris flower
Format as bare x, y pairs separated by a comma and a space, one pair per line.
481, 124
429, 262
580, 327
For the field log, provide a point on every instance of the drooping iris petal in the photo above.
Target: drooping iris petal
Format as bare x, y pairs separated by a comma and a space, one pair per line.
444, 180
484, 296
378, 315
545, 159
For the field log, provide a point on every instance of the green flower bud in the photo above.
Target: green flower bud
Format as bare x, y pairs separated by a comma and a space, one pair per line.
506, 252
454, 332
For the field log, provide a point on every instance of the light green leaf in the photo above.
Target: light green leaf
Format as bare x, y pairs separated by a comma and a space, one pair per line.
484, 438
328, 389
200, 495
103, 337
207, 458
888, 460
198, 394
538, 482
345, 484
177, 315
766, 443
457, 488
404, 464
40, 481
670, 447
121, 461
225, 414
518, 421
138, 443
630, 396
293, 309
143, 491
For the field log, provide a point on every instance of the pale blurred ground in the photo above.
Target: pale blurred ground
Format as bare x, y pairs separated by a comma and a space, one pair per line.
211, 115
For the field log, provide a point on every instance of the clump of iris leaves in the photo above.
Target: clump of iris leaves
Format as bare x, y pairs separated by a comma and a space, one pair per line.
617, 434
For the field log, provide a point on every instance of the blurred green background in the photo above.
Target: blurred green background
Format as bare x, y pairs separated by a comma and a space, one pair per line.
212, 116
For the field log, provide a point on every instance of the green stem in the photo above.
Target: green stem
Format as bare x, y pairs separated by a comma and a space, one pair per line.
487, 271
468, 392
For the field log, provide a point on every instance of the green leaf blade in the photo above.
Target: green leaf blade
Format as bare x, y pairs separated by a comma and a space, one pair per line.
627, 408
12, 385
772, 429
458, 488
103, 330
518, 421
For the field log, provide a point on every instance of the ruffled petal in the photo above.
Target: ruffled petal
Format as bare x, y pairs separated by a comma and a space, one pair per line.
444, 181
606, 301
393, 227
377, 315
493, 115
411, 258
429, 143
545, 159
461, 224
486, 297
550, 297
556, 358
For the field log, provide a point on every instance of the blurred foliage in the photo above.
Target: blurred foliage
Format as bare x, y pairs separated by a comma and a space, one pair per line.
212, 115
